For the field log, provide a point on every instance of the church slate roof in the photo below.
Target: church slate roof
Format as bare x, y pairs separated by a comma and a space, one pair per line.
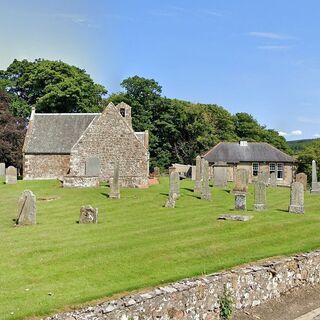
56, 133
252, 152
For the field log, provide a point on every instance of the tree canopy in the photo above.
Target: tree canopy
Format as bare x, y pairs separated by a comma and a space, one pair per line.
51, 86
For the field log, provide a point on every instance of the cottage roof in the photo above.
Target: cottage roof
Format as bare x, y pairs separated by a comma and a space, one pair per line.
57, 132
250, 152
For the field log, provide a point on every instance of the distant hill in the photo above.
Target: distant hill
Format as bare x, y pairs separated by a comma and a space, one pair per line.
298, 145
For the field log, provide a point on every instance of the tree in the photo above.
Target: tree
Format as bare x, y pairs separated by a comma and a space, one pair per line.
51, 86
12, 132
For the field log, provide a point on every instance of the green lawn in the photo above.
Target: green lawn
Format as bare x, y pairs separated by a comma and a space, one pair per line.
137, 243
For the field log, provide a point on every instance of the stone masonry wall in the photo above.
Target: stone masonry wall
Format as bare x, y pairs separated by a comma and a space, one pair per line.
197, 298
45, 166
110, 139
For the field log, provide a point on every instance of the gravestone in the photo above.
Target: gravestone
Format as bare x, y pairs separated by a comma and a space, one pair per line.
315, 185
156, 172
174, 185
205, 189
114, 183
93, 167
264, 177
259, 196
240, 201
296, 198
273, 180
241, 183
302, 178
171, 169
171, 202
193, 173
2, 170
220, 177
197, 187
26, 209
11, 175
234, 217
88, 214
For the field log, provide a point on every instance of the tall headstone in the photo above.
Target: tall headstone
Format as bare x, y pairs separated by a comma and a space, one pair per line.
260, 197
174, 185
11, 175
296, 198
2, 170
114, 183
315, 185
220, 177
241, 183
197, 187
93, 167
273, 180
205, 189
26, 209
302, 178
88, 214
240, 201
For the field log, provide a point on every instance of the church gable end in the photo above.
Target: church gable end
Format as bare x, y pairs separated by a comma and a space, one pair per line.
110, 139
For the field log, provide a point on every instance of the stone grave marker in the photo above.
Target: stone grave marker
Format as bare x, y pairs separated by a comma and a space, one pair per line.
205, 189
260, 196
88, 214
234, 217
273, 180
26, 209
240, 201
241, 184
2, 170
93, 167
197, 186
220, 177
315, 186
174, 185
114, 183
296, 198
11, 175
156, 172
171, 201
302, 178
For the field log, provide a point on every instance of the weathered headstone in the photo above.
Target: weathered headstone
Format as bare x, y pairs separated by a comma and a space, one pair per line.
240, 201
156, 172
11, 175
93, 167
234, 217
220, 177
273, 180
88, 214
302, 178
174, 185
193, 173
241, 183
197, 186
2, 170
26, 209
264, 177
296, 198
259, 196
114, 183
315, 185
205, 189
171, 201
171, 169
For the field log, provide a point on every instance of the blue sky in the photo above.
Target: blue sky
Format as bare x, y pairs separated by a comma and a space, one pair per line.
261, 57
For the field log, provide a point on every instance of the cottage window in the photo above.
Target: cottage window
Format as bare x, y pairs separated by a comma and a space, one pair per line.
272, 167
123, 112
255, 169
280, 171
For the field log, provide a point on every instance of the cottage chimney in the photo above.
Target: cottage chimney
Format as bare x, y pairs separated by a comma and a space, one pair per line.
243, 143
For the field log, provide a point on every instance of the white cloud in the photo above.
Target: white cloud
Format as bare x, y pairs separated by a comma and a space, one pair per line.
316, 135
274, 47
269, 35
291, 133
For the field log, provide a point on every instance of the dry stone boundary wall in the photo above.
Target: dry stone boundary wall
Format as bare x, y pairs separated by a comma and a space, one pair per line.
197, 298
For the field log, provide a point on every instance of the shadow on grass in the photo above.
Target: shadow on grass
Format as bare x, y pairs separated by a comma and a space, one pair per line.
188, 189
164, 194
281, 210
105, 194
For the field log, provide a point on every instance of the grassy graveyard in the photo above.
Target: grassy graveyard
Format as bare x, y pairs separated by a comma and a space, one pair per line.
137, 243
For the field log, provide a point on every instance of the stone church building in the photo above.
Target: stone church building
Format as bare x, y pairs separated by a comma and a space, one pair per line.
77, 147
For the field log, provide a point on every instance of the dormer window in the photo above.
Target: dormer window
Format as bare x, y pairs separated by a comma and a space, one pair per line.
123, 112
